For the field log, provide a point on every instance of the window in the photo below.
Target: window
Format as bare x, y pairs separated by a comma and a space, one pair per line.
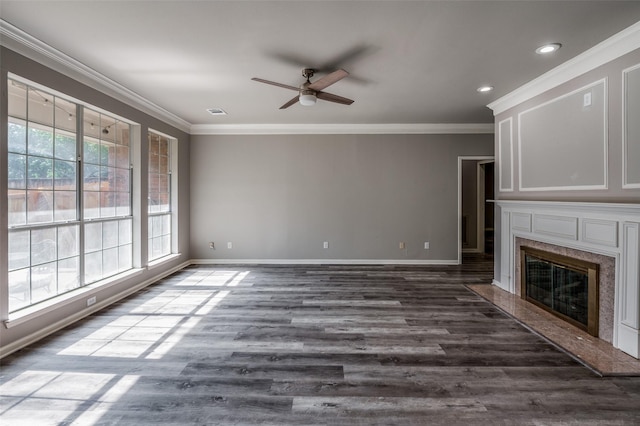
59, 240
42, 196
106, 192
159, 195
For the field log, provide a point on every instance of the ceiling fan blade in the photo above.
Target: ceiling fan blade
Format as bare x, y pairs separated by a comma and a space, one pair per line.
273, 83
291, 102
328, 80
333, 98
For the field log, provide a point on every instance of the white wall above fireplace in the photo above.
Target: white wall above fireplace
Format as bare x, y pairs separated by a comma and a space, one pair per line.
602, 228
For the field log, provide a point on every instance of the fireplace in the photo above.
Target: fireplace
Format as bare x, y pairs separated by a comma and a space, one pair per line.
565, 286
604, 234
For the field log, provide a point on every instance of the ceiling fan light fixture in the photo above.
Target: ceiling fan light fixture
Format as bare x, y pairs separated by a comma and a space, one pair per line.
307, 99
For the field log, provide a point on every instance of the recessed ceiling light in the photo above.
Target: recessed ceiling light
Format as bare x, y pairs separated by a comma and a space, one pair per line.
548, 48
216, 111
484, 89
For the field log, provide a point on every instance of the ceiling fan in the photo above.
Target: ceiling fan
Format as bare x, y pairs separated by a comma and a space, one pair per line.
309, 92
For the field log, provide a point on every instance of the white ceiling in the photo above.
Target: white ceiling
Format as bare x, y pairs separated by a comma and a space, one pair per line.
410, 61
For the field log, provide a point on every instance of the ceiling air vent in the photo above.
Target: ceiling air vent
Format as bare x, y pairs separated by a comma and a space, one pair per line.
216, 111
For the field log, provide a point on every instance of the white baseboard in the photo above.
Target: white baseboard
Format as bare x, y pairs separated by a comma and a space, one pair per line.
322, 262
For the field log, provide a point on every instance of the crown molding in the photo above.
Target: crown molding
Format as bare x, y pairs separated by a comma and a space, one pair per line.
612, 48
35, 49
341, 129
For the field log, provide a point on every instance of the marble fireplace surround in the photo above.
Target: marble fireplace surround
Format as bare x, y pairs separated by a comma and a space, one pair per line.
603, 233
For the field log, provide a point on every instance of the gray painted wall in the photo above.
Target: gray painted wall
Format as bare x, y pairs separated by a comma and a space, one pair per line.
19, 65
281, 197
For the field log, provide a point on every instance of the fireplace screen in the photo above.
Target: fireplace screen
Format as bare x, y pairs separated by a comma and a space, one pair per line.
565, 286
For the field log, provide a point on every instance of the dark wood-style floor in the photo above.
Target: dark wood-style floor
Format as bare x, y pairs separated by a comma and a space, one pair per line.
308, 345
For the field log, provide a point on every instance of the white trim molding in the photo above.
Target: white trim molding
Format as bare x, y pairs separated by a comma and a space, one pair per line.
342, 129
603, 228
501, 159
625, 134
612, 48
605, 142
35, 49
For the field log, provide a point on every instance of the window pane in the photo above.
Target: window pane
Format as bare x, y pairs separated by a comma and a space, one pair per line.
17, 171
92, 237
43, 245
123, 207
108, 126
44, 281
91, 202
17, 99
110, 262
65, 146
65, 175
124, 230
40, 173
40, 107
17, 136
108, 154
154, 162
91, 177
122, 180
123, 131
65, 206
124, 257
65, 116
107, 204
40, 141
92, 267
122, 154
68, 243
39, 206
164, 165
166, 224
91, 151
110, 234
19, 250
164, 204
19, 289
17, 207
68, 274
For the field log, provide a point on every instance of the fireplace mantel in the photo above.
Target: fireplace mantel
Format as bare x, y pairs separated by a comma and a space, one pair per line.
602, 228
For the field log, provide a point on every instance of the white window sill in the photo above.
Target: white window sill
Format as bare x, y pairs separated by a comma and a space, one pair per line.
161, 261
27, 314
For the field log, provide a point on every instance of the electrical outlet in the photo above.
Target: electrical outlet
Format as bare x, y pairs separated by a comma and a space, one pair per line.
325, 244
426, 245
229, 245
212, 246
91, 301
402, 246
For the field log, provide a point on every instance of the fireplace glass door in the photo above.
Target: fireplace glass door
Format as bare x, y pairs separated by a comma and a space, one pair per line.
560, 286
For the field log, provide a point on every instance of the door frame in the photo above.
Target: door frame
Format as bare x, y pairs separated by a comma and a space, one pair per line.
480, 158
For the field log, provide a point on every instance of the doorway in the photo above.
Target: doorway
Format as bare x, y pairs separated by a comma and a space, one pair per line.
476, 178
